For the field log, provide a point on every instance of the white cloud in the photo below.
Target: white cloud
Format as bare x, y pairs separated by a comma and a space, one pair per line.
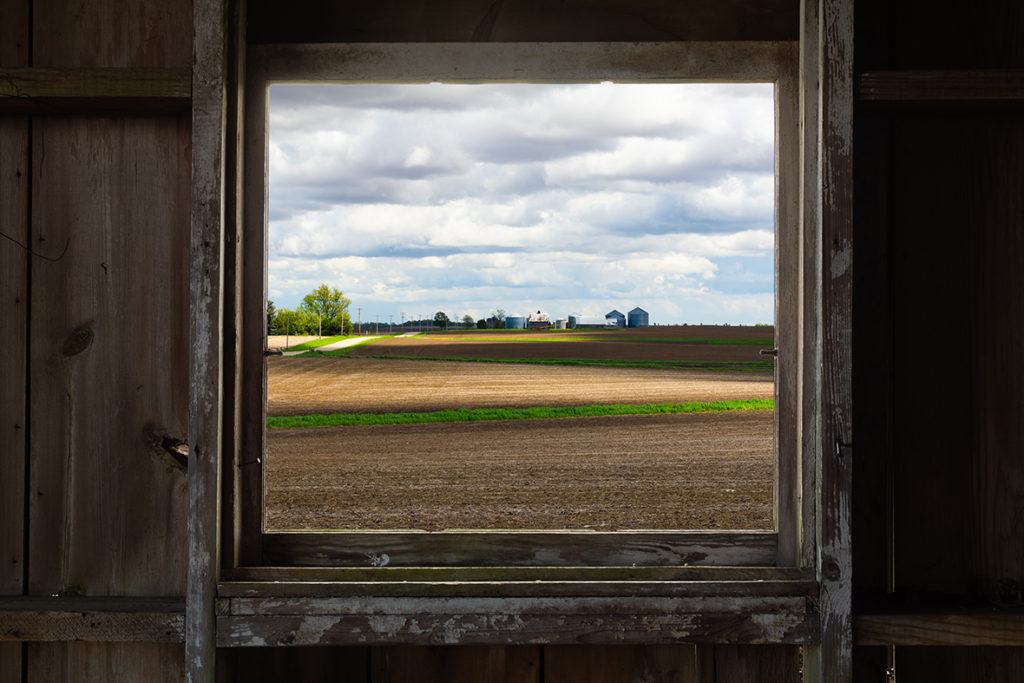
580, 198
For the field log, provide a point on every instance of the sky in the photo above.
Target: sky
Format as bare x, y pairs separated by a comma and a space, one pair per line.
566, 199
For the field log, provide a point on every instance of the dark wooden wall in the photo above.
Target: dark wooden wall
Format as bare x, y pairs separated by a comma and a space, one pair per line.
939, 331
95, 361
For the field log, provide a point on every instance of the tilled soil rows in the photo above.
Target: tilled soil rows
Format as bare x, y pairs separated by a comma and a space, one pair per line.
635, 472
709, 470
303, 386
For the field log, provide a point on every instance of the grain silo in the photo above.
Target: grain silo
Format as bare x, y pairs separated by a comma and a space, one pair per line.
515, 322
614, 319
638, 317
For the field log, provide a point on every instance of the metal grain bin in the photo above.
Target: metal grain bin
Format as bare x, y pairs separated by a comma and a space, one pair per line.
515, 322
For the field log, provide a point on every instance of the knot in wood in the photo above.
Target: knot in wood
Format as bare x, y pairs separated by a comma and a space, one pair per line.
79, 340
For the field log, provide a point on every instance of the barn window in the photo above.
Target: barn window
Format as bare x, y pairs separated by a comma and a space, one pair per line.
260, 544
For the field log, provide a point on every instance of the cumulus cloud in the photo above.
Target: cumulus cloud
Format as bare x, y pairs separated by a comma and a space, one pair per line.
565, 198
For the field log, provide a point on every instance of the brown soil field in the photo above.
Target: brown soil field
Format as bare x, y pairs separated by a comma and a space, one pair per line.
649, 343
302, 386
697, 471
651, 471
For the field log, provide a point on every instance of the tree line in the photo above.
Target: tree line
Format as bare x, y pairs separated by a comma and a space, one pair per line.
323, 312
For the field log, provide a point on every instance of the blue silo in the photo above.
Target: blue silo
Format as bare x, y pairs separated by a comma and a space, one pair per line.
638, 317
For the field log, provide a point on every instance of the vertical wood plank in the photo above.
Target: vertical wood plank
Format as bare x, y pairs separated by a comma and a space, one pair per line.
109, 366
14, 297
105, 662
996, 514
683, 663
14, 178
757, 663
789, 368
288, 664
941, 664
113, 33
456, 664
209, 118
832, 659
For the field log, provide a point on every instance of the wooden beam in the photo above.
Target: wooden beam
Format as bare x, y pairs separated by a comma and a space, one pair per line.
958, 628
520, 548
301, 575
518, 589
98, 619
522, 62
38, 90
209, 120
941, 87
467, 620
829, 27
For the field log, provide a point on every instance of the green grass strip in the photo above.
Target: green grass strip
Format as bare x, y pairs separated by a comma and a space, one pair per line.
740, 365
478, 414
314, 343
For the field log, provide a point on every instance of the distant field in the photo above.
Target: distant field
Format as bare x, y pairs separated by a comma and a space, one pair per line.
639, 471
714, 346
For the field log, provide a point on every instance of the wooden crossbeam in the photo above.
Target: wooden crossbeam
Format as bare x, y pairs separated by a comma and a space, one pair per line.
98, 619
38, 90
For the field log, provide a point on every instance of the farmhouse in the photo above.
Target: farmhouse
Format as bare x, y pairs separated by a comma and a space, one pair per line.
132, 188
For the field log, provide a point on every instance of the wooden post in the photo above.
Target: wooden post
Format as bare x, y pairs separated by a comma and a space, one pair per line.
207, 311
828, 33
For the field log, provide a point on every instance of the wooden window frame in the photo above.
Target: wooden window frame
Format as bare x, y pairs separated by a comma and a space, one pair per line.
503, 559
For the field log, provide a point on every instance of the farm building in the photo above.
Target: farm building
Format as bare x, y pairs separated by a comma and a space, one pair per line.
515, 322
638, 317
614, 318
131, 206
582, 322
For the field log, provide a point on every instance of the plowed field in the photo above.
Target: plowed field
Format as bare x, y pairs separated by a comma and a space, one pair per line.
634, 472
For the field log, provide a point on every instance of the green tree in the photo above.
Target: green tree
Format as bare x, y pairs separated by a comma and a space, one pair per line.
271, 317
441, 320
467, 321
329, 306
481, 324
499, 316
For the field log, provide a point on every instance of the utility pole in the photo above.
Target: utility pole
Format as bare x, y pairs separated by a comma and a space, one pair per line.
391, 319
376, 330
403, 321
360, 320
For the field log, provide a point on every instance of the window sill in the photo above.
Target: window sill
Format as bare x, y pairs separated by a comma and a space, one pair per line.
429, 606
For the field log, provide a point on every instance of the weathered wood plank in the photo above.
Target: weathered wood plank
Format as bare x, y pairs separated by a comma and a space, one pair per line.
306, 664
757, 663
938, 87
512, 62
464, 621
788, 309
520, 548
15, 173
992, 665
613, 663
430, 664
832, 659
530, 588
92, 619
959, 628
14, 265
146, 33
524, 20
108, 366
92, 662
209, 121
34, 90
303, 575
